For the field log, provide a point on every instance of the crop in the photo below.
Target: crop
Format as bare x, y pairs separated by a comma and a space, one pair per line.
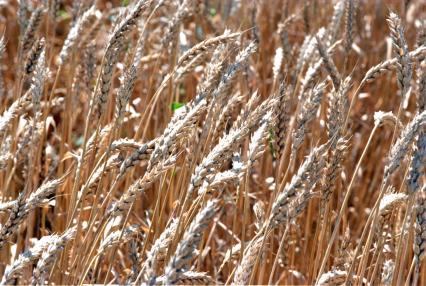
213, 142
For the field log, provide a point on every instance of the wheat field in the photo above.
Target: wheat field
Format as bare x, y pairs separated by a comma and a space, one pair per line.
212, 142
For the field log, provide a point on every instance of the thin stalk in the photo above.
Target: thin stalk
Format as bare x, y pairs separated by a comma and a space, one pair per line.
245, 210
274, 265
345, 202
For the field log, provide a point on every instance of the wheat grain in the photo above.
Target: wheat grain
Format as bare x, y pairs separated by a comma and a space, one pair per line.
115, 238
191, 278
23, 206
82, 23
245, 268
25, 259
401, 146
401, 50
45, 263
306, 115
329, 64
31, 29
302, 182
349, 24
157, 253
189, 242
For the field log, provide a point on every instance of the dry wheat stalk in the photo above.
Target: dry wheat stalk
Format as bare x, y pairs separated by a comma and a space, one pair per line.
387, 65
157, 253
421, 34
140, 185
182, 71
334, 25
25, 259
381, 118
220, 180
333, 168
135, 258
7, 206
306, 115
185, 250
213, 73
257, 141
337, 108
205, 46
128, 81
34, 56
113, 47
228, 77
125, 144
421, 85
223, 150
328, 63
391, 201
22, 16
40, 195
338, 277
419, 244
401, 146
221, 94
85, 72
176, 130
419, 153
336, 113
247, 109
77, 31
23, 206
55, 246
31, 132
312, 73
417, 162
115, 238
349, 24
31, 29
92, 146
305, 53
283, 118
400, 48
333, 277
287, 206
131, 63
144, 152
190, 278
185, 9
259, 212
113, 162
299, 188
282, 31
387, 272
225, 116
6, 145
2, 82
36, 90
277, 62
52, 157
14, 110
245, 268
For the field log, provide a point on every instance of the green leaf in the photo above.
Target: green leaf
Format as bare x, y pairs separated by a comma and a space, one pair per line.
176, 105
63, 14
271, 134
125, 2
271, 139
213, 12
78, 141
